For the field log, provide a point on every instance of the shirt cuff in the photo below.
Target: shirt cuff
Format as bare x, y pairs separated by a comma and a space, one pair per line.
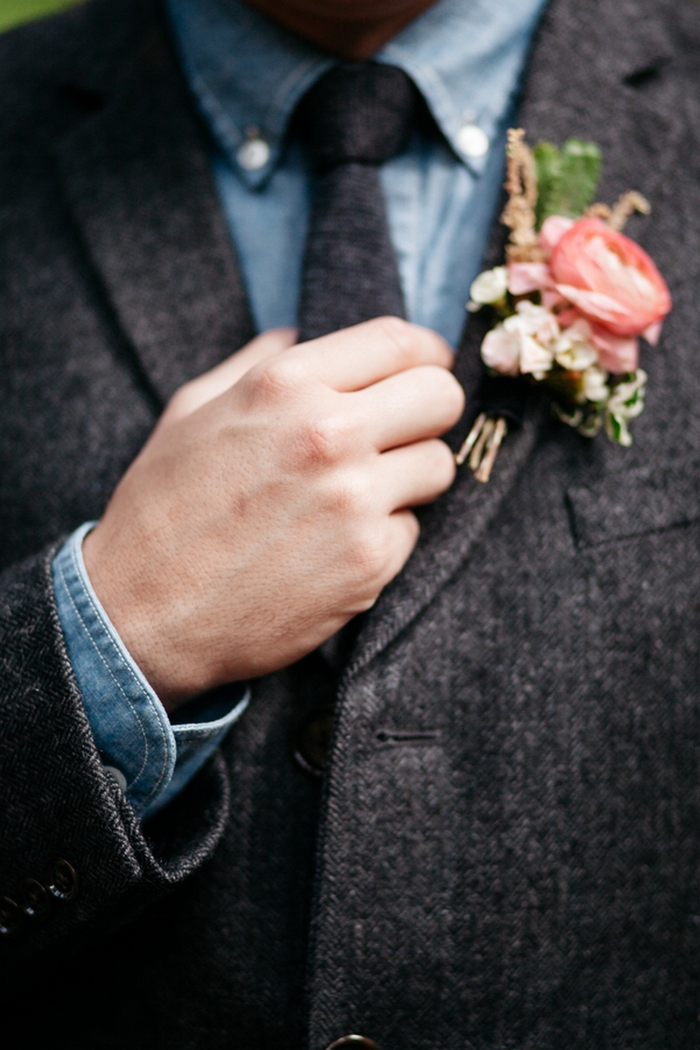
151, 760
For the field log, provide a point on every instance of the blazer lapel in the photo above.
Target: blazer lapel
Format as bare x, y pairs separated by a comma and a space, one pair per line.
589, 75
137, 178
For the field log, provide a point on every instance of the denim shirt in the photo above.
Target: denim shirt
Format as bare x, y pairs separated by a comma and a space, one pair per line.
247, 75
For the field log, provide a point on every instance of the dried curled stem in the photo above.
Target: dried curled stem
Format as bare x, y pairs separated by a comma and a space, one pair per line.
617, 216
519, 215
482, 445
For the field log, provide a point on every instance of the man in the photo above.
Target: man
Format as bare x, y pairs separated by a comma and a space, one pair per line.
502, 849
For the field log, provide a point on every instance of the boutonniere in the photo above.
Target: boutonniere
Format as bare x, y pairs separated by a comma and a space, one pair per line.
570, 303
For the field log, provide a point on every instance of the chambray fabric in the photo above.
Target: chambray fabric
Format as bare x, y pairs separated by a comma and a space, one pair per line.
131, 728
465, 58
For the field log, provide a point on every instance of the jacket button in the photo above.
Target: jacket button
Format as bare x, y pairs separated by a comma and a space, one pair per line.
353, 1042
62, 881
10, 917
310, 739
34, 899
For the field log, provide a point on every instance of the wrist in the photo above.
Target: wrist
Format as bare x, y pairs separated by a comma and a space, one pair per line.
132, 610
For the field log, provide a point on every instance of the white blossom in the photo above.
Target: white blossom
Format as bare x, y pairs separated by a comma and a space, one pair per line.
490, 287
574, 348
535, 359
523, 343
536, 321
626, 402
501, 350
594, 385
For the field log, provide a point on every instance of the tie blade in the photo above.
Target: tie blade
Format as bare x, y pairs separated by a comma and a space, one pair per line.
350, 270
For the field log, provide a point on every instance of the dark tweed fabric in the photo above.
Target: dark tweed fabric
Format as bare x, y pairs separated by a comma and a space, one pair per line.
353, 119
505, 854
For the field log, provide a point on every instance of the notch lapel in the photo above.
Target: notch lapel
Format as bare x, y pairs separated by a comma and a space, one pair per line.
592, 76
137, 179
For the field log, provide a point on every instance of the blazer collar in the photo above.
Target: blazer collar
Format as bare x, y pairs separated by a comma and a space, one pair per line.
595, 73
137, 177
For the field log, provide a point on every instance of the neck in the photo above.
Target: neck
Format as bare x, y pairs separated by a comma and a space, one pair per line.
350, 34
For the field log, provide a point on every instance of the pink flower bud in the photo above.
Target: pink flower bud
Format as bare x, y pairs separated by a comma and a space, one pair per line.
524, 278
553, 229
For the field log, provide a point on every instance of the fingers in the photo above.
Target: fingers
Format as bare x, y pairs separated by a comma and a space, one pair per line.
357, 357
414, 474
411, 406
218, 380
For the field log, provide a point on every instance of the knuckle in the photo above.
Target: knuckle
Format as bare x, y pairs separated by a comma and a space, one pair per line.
413, 525
455, 397
372, 559
179, 402
349, 498
277, 378
326, 440
445, 466
444, 387
401, 335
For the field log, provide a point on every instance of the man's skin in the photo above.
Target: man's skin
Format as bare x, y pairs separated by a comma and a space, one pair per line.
352, 29
271, 503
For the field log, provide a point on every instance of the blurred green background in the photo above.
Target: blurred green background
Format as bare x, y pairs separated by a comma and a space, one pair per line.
12, 12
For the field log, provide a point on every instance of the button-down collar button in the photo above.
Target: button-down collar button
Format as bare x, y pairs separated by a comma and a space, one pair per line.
10, 917
353, 1042
310, 739
62, 881
473, 141
34, 899
254, 153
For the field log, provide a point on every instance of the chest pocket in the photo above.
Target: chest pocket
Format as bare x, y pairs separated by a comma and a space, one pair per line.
634, 503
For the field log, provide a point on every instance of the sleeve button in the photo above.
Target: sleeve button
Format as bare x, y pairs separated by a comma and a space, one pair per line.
34, 899
310, 740
10, 917
62, 881
353, 1042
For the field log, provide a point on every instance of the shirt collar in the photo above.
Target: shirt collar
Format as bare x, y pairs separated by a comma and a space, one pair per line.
248, 73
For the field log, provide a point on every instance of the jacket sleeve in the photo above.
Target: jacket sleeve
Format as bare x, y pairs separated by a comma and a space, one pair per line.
75, 861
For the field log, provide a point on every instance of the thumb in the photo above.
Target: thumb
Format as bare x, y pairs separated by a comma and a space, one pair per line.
222, 377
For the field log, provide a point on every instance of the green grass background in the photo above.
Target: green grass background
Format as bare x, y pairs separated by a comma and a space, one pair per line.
12, 12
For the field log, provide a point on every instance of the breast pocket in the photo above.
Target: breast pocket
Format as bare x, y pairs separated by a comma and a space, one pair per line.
634, 503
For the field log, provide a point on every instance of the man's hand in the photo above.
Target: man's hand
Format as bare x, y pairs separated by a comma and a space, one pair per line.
252, 528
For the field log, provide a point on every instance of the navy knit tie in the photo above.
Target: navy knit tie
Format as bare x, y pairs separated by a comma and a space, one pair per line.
354, 119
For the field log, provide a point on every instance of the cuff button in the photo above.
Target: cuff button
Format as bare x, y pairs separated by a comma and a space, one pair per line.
353, 1042
310, 740
10, 917
34, 899
62, 881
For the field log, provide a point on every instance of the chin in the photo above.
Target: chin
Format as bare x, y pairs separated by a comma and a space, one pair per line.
353, 10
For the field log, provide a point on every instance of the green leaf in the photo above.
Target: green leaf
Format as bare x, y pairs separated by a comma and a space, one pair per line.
548, 161
567, 178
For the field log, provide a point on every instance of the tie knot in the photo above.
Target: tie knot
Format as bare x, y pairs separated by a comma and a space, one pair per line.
360, 112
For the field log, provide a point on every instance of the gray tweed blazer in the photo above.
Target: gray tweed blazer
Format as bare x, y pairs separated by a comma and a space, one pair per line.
505, 850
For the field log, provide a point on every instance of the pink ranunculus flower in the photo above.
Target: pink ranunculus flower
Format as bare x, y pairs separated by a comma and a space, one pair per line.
609, 279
